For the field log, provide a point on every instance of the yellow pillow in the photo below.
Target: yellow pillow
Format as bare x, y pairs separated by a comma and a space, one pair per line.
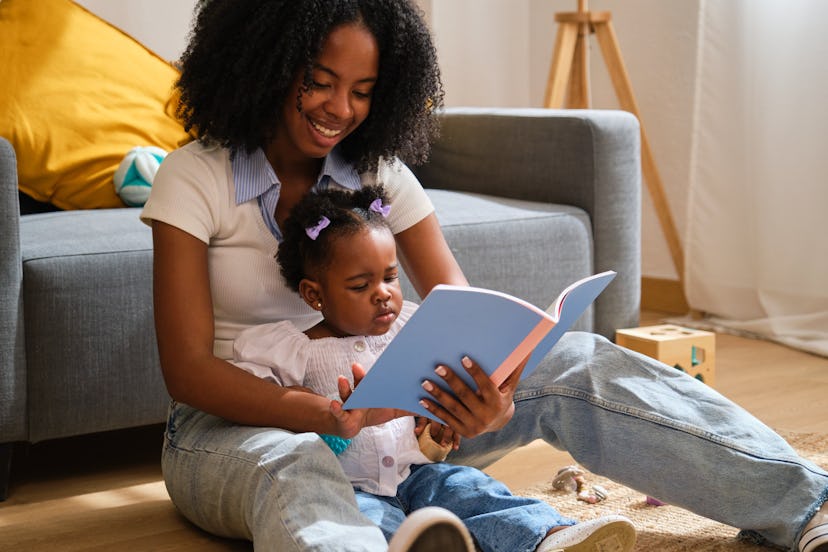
76, 94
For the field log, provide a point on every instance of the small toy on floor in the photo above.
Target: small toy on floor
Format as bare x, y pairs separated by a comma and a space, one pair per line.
571, 478
654, 501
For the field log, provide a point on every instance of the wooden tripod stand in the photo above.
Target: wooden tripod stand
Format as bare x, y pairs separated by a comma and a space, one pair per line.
569, 76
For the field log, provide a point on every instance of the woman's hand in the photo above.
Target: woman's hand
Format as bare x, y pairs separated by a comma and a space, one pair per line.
471, 413
350, 422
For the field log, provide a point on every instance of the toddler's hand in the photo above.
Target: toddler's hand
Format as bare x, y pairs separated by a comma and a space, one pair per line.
350, 422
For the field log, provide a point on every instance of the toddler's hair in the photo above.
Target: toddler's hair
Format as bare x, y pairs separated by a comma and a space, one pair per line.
348, 213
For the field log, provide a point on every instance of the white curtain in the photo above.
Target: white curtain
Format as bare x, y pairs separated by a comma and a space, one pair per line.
757, 234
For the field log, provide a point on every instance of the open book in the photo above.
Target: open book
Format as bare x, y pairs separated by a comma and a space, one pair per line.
493, 328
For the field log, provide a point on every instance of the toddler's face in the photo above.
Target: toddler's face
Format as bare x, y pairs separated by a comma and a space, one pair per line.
360, 290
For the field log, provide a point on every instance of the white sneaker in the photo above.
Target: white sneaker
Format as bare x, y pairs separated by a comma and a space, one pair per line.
431, 529
606, 534
815, 536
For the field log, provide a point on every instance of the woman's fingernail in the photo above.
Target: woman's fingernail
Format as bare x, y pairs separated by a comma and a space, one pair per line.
427, 386
424, 404
466, 361
441, 371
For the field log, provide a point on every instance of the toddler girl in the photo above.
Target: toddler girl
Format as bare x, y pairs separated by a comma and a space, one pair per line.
339, 254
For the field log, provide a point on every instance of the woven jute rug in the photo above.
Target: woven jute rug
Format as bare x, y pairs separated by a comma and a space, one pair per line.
668, 528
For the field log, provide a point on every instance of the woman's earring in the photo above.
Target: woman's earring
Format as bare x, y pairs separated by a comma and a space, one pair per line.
319, 305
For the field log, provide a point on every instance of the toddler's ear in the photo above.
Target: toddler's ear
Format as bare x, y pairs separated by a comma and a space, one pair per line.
311, 293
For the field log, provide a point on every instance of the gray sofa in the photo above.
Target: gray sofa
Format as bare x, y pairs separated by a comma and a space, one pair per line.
529, 199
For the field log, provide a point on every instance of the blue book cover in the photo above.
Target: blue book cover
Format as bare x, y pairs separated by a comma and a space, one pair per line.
493, 328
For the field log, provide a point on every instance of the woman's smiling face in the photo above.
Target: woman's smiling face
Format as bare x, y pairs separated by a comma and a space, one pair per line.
339, 98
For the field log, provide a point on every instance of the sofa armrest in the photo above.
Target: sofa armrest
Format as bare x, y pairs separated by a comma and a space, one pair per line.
12, 372
586, 158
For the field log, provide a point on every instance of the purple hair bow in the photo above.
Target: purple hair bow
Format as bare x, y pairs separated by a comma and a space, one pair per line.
378, 207
313, 231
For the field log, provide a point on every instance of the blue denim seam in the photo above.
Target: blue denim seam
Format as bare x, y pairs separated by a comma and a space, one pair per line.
753, 537
216, 452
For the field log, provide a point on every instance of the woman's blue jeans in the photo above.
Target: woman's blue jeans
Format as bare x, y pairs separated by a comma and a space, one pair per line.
618, 413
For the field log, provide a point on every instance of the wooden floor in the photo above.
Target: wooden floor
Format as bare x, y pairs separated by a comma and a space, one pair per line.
104, 492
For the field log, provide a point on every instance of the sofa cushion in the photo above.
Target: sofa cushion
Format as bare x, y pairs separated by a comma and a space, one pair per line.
504, 244
77, 95
90, 339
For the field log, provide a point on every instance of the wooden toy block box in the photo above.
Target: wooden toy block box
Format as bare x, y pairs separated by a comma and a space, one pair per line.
693, 351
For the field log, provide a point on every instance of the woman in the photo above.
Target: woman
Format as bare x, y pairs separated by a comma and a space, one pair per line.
288, 97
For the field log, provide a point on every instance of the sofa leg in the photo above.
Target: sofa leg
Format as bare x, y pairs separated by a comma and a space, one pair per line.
5, 468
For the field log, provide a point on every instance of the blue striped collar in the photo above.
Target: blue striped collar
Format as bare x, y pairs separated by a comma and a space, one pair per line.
253, 175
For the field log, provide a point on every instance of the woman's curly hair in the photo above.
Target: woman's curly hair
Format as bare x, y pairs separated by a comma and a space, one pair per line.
243, 56
348, 212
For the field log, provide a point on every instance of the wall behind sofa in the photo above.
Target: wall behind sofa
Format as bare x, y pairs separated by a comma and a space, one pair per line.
498, 52
160, 25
